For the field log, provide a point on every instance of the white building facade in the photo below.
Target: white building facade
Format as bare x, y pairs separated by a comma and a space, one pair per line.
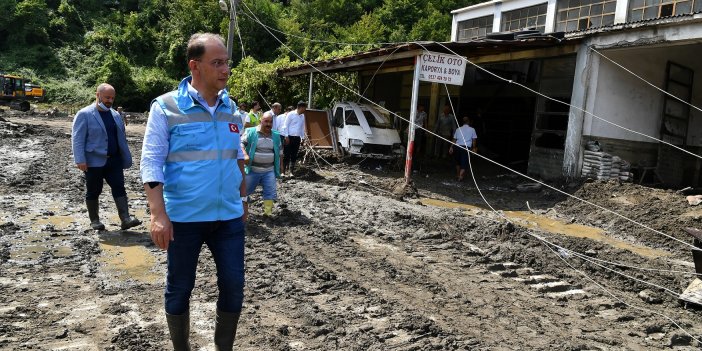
629, 52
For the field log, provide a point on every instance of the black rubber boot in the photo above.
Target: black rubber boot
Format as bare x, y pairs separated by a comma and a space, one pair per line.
225, 330
123, 211
93, 214
179, 328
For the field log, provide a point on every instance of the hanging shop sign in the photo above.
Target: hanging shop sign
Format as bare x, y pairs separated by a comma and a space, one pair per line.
441, 68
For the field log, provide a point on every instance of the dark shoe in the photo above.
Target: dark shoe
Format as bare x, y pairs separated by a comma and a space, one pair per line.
123, 210
179, 328
225, 330
93, 214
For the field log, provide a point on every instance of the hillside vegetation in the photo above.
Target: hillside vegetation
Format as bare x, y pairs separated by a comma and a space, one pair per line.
139, 45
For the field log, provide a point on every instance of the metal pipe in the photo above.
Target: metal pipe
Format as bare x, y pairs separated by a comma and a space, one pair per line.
309, 93
413, 117
230, 34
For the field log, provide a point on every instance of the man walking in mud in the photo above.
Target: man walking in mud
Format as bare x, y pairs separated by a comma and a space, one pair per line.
264, 148
464, 139
100, 150
192, 168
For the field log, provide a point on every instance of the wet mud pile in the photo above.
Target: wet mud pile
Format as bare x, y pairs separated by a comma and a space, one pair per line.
666, 211
351, 260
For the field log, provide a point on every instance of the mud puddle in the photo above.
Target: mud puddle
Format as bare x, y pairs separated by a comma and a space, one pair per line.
125, 256
535, 221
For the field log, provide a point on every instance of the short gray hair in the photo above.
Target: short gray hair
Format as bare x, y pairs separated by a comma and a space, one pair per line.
267, 114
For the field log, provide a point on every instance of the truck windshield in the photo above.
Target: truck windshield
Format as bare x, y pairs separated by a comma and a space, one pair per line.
376, 120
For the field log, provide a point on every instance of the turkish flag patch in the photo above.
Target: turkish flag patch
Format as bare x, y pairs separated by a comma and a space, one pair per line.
233, 128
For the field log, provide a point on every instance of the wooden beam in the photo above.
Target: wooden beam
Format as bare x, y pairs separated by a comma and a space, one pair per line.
353, 63
526, 54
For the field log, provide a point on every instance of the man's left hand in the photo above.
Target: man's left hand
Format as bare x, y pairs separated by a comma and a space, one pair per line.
246, 212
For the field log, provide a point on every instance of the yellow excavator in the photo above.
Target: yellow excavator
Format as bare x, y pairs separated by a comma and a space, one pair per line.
16, 92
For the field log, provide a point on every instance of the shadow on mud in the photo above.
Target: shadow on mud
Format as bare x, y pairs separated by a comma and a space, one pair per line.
125, 238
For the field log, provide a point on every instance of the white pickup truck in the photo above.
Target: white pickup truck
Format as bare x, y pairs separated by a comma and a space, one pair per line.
363, 131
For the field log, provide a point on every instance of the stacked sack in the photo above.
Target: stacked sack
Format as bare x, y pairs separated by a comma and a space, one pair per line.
603, 166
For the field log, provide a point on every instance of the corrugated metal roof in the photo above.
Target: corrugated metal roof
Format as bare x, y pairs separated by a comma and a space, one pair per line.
635, 24
404, 53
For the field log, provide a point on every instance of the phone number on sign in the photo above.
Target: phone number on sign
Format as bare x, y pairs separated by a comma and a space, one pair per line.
441, 78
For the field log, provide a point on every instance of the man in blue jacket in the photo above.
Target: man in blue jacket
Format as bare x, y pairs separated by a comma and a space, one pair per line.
263, 146
192, 168
100, 150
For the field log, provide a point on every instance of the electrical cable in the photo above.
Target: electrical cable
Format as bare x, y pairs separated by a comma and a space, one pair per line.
549, 245
512, 82
645, 81
573, 106
585, 275
481, 156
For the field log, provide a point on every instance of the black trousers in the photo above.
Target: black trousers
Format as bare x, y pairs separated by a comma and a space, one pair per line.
290, 153
111, 172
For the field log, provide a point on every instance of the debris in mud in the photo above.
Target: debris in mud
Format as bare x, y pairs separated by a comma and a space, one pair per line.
308, 174
694, 200
650, 297
344, 264
402, 189
134, 338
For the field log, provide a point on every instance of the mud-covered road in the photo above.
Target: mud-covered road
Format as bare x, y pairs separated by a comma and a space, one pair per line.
350, 263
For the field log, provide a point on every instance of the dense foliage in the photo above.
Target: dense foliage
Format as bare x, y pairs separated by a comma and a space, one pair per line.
138, 46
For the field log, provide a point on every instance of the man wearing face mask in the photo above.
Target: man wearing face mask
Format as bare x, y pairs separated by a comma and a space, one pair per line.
100, 150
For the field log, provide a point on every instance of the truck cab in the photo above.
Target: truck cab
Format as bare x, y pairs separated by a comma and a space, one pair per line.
363, 131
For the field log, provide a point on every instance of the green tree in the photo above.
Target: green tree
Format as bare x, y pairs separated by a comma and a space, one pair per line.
183, 19
65, 24
117, 72
30, 22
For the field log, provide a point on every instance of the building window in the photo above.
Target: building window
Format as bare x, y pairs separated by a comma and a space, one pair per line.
575, 15
533, 17
474, 28
650, 9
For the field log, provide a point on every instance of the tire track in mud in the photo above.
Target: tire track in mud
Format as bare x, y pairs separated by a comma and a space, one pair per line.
341, 266
431, 277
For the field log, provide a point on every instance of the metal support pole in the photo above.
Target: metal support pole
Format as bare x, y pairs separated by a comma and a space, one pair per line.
413, 117
309, 92
230, 34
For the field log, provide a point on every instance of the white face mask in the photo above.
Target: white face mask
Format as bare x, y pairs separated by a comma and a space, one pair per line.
102, 105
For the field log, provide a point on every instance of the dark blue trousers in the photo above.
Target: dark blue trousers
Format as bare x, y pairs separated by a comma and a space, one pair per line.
225, 239
111, 172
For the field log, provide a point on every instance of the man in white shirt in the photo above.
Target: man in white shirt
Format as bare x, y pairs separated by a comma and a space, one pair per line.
275, 110
279, 122
466, 138
294, 132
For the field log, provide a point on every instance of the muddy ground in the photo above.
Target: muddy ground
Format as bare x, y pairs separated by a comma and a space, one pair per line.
351, 261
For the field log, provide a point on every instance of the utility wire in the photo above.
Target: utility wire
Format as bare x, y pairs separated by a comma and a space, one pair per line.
573, 106
501, 78
645, 81
585, 275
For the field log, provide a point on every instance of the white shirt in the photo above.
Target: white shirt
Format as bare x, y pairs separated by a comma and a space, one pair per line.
465, 135
278, 122
294, 125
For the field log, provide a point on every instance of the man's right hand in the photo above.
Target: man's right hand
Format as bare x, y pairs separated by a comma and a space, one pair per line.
82, 166
161, 230
287, 141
